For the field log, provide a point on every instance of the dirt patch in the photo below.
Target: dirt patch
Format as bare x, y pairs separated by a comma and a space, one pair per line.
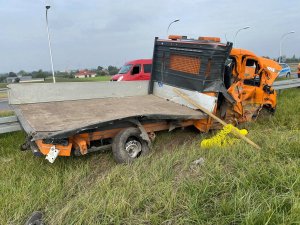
169, 141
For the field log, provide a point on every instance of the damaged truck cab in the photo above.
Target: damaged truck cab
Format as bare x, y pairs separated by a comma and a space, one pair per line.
249, 79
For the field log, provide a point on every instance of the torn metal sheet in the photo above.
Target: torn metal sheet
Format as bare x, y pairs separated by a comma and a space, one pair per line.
166, 91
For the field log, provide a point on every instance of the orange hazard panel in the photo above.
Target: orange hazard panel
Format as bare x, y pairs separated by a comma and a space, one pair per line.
215, 39
186, 64
177, 37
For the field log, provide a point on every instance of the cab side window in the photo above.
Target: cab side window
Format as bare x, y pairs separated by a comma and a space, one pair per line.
251, 76
147, 68
251, 69
136, 69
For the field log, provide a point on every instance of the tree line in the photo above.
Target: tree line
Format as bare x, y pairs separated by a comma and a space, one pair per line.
294, 59
285, 59
100, 71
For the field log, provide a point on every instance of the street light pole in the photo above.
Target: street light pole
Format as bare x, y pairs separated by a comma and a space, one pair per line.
175, 21
244, 28
49, 42
281, 40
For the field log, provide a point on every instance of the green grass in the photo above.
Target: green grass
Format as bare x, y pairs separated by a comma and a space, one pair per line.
236, 185
3, 95
3, 85
293, 67
61, 79
4, 113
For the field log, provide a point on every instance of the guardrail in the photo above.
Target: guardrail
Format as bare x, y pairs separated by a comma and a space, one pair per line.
3, 89
285, 84
10, 124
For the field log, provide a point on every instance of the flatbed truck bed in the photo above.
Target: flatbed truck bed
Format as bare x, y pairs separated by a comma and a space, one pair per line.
82, 117
54, 117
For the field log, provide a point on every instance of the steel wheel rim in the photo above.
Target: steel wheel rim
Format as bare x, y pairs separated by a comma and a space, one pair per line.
133, 148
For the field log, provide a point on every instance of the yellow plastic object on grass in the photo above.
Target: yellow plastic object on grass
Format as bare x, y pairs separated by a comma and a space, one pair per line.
222, 139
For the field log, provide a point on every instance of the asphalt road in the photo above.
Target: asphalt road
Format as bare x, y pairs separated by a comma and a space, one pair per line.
4, 105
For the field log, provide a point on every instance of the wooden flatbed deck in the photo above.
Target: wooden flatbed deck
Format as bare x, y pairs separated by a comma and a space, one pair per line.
61, 116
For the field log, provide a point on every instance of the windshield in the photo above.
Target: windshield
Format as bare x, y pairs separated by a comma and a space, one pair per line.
125, 69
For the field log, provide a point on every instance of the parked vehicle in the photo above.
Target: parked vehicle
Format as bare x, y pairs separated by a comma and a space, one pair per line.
139, 69
286, 70
79, 118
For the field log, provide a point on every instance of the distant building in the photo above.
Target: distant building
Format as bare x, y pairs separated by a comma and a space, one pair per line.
85, 74
11, 80
24, 79
38, 80
19, 79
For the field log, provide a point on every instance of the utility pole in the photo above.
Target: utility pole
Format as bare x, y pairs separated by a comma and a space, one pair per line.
281, 40
175, 21
49, 42
234, 40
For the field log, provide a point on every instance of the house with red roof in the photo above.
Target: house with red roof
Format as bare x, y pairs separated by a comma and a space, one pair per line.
85, 74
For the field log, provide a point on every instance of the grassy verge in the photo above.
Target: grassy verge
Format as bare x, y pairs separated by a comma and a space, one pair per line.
3, 95
61, 79
293, 67
6, 113
235, 185
3, 85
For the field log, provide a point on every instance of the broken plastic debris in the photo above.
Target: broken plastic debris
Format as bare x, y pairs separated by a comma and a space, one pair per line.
199, 162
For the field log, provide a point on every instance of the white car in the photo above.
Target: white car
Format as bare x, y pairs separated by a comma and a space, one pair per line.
285, 71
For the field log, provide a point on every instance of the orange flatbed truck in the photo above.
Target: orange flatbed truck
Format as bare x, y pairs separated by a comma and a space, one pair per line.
78, 118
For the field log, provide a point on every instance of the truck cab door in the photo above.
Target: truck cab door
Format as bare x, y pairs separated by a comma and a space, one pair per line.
136, 72
143, 75
251, 71
146, 71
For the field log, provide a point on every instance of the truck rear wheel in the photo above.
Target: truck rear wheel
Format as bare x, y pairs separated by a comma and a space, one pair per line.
128, 145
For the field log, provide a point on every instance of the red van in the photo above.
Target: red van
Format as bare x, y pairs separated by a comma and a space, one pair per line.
139, 69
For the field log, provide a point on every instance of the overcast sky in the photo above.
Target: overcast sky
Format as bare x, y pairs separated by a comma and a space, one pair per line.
89, 33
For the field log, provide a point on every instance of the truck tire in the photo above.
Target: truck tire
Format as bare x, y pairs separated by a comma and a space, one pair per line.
128, 145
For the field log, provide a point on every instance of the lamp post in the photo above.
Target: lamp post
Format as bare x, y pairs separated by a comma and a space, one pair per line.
244, 28
49, 42
175, 21
281, 40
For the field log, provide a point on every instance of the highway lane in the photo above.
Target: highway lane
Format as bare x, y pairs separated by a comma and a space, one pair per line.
4, 105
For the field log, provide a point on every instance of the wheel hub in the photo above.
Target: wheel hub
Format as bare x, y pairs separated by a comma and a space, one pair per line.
133, 148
